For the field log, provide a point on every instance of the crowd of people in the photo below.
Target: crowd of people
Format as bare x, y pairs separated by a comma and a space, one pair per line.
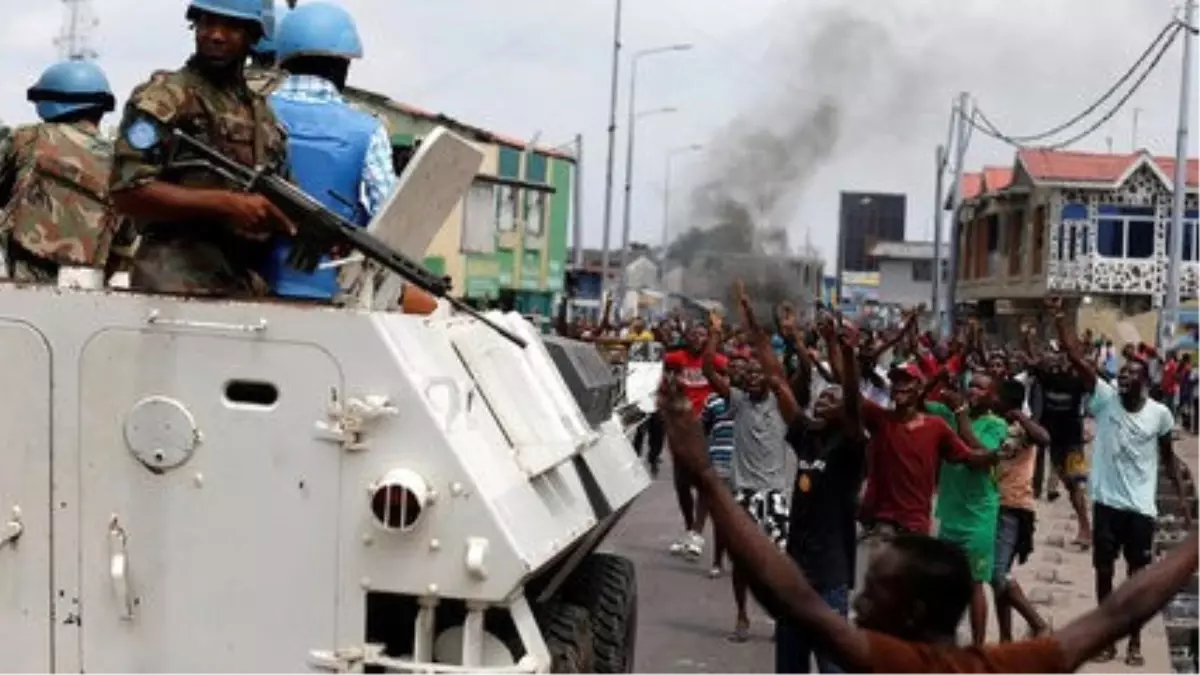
918, 465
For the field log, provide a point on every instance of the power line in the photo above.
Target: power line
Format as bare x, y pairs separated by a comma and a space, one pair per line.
985, 126
1174, 24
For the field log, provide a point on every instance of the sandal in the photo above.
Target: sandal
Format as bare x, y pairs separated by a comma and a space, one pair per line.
741, 633
1134, 658
1107, 654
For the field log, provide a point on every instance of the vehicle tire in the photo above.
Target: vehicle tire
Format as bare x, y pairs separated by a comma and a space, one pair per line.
567, 629
606, 585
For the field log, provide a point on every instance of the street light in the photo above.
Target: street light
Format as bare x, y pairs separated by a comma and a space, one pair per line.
671, 154
627, 224
633, 116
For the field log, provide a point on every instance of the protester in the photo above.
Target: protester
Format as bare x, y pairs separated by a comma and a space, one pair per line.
830, 448
761, 407
1133, 436
968, 506
916, 590
1017, 518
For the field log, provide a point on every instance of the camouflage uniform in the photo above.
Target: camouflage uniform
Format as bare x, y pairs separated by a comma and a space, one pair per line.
195, 257
264, 81
57, 210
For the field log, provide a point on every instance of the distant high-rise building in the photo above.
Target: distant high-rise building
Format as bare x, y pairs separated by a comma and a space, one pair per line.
867, 218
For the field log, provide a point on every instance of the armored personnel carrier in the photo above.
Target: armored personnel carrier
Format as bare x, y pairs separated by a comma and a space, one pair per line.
209, 485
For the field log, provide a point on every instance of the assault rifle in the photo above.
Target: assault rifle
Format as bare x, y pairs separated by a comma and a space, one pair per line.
319, 230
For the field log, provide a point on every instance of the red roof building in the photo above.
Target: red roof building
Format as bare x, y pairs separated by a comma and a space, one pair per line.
1073, 223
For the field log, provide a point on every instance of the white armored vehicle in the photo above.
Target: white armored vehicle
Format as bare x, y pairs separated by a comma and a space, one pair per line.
205, 485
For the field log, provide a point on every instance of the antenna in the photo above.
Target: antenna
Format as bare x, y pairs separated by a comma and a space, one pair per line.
74, 41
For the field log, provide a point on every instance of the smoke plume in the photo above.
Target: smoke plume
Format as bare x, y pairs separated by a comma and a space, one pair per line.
832, 67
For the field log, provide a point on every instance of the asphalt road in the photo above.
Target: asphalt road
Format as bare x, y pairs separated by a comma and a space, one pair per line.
684, 616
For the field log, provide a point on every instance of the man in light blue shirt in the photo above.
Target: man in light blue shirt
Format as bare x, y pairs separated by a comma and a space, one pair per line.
340, 155
1133, 438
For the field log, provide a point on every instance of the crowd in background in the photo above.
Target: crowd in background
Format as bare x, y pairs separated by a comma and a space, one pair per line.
918, 462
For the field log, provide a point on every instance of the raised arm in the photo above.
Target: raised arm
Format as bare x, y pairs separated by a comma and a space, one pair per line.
1070, 343
909, 327
851, 396
772, 368
774, 579
716, 379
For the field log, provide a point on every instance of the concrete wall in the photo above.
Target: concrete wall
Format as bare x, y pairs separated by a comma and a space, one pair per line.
896, 285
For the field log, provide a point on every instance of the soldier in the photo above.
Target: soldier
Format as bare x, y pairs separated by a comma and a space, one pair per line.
198, 236
54, 177
339, 155
262, 75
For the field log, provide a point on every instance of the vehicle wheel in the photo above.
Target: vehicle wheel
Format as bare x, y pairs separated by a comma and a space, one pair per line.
567, 629
606, 585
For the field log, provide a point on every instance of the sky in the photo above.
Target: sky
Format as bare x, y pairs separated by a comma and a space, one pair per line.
806, 98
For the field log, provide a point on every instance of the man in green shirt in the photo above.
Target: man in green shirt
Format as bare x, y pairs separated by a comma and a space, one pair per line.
968, 503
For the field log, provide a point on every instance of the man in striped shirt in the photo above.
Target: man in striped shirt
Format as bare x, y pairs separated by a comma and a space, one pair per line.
718, 425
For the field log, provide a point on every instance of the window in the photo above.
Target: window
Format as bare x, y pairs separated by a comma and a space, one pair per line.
922, 270
945, 270
535, 213
1190, 240
506, 208
479, 219
1125, 232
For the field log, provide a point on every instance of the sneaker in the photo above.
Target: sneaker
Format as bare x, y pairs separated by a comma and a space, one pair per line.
694, 545
677, 547
715, 572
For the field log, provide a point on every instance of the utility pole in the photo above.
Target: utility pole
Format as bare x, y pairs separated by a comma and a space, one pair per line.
577, 203
74, 41
960, 156
1133, 136
938, 204
612, 145
1169, 317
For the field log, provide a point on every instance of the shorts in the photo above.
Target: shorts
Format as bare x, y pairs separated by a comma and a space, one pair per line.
979, 545
1116, 532
1014, 531
769, 509
1070, 462
871, 540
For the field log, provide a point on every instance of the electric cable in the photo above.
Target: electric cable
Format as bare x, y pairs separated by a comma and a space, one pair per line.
986, 127
1174, 24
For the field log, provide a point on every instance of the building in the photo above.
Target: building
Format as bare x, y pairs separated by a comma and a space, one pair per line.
769, 279
867, 218
1092, 227
506, 243
906, 273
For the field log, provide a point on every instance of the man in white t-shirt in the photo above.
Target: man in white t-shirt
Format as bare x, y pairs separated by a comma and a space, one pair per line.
1133, 436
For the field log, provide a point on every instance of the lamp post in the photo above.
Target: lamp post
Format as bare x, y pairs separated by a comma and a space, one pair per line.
633, 66
612, 143
671, 154
1168, 319
627, 225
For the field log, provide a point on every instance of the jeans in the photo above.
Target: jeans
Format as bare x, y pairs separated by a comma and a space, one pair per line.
792, 648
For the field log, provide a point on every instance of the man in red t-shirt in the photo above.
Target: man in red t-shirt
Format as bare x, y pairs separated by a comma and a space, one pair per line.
907, 447
688, 365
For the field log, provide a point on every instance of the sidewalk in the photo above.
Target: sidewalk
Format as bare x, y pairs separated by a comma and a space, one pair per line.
1059, 581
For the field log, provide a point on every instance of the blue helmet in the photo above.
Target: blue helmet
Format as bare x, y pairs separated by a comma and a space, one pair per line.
69, 87
318, 29
247, 10
266, 45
